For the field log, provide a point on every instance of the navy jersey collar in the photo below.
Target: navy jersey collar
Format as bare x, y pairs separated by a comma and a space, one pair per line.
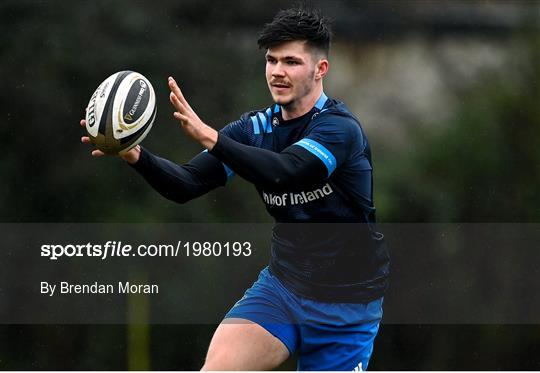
318, 105
321, 101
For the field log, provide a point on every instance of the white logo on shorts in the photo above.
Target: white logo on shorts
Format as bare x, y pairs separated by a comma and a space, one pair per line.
358, 368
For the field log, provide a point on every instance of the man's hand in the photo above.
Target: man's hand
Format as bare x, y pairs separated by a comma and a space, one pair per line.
191, 123
131, 156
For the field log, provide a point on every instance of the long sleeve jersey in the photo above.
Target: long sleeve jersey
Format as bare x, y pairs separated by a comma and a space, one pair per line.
314, 175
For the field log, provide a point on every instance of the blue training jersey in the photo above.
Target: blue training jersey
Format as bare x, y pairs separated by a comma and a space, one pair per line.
324, 243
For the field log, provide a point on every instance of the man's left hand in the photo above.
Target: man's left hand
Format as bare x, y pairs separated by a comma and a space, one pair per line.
192, 125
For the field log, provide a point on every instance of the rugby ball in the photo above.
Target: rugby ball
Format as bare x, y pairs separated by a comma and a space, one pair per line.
121, 112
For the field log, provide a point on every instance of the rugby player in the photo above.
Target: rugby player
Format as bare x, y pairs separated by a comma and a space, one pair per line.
321, 295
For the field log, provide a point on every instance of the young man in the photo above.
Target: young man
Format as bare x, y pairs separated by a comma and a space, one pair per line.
321, 295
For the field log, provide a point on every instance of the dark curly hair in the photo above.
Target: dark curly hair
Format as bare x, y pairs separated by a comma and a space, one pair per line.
297, 24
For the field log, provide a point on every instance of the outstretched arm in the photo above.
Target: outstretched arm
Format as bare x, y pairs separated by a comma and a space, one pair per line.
294, 166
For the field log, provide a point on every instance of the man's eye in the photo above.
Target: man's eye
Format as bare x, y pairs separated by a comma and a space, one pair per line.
292, 62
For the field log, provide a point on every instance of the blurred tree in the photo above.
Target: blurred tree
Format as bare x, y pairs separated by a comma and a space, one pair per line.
482, 165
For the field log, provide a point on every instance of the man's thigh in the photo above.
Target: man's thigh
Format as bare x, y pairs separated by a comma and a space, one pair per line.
240, 344
268, 304
257, 333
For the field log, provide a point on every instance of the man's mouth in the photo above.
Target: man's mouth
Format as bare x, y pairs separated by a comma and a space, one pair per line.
280, 85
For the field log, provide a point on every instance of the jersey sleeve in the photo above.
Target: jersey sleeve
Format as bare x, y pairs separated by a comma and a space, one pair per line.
292, 168
328, 143
331, 139
181, 183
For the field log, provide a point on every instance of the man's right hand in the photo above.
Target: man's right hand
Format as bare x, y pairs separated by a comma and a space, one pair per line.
131, 156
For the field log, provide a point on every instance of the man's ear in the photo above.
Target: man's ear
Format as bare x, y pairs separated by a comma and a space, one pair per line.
321, 69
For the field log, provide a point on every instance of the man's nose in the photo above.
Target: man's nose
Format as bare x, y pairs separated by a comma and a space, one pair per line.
278, 70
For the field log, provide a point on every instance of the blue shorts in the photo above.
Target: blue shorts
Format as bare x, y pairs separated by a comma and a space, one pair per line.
328, 336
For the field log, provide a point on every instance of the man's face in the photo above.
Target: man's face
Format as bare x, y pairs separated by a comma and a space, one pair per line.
290, 72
